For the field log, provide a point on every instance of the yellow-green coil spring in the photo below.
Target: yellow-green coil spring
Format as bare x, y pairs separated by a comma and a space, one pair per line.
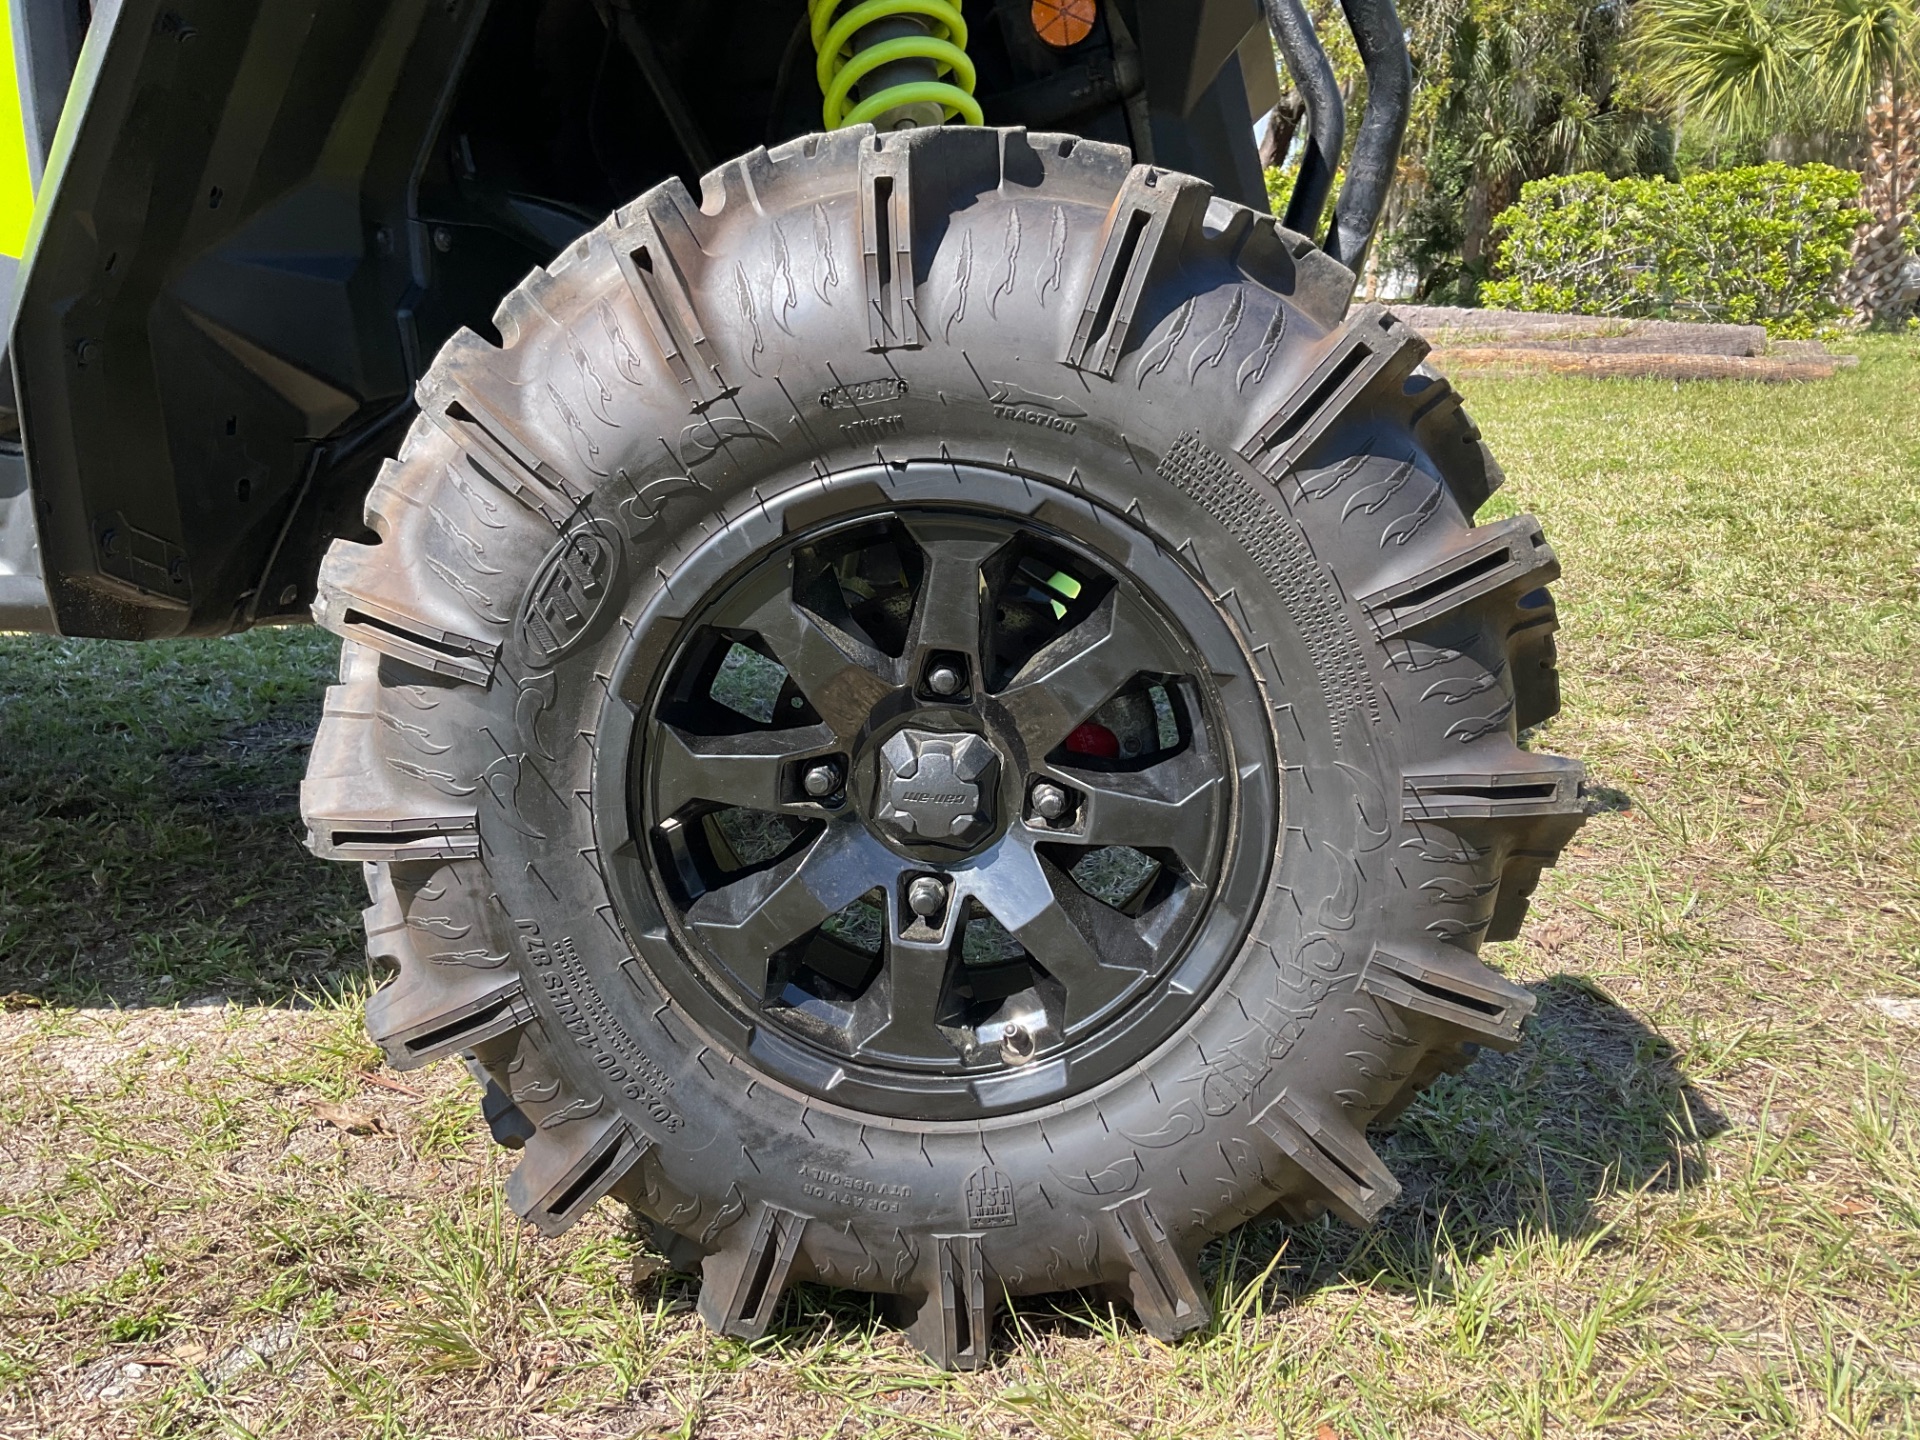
841, 67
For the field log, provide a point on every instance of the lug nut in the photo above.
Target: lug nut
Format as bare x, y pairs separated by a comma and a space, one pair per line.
927, 897
821, 780
1050, 801
944, 680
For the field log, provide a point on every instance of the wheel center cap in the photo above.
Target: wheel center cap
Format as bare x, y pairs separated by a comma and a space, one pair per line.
937, 788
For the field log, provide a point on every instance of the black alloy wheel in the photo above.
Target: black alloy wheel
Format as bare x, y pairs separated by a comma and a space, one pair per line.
940, 799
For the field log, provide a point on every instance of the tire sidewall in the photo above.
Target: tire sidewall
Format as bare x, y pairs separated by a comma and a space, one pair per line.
1178, 1125
1218, 1122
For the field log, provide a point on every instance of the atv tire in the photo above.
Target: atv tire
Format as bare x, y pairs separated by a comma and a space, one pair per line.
997, 463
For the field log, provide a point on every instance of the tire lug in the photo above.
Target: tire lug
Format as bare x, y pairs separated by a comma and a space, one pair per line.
1050, 801
927, 896
821, 781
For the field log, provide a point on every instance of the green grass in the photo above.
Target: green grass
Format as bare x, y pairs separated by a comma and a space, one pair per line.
149, 822
1689, 1205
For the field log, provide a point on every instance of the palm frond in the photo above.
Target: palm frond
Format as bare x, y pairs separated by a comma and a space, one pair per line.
1858, 45
1736, 64
1790, 68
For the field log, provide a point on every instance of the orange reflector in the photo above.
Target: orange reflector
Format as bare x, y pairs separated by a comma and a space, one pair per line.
1063, 23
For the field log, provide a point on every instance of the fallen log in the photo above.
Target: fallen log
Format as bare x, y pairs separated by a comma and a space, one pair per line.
1531, 360
1449, 325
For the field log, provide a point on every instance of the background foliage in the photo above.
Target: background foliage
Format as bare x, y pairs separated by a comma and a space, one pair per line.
1762, 244
1508, 92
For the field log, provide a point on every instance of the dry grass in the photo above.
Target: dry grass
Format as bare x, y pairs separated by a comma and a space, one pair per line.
1688, 1206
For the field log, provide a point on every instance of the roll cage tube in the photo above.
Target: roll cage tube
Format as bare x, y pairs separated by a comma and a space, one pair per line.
1376, 150
1313, 76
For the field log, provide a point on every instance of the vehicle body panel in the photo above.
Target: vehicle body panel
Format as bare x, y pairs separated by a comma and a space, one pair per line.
261, 218
43, 37
207, 297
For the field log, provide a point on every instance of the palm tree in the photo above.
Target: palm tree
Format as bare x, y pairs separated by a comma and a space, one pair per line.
1495, 106
1884, 281
1809, 71
1525, 94
1508, 91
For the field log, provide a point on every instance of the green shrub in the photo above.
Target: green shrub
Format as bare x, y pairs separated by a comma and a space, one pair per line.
1280, 192
1760, 245
1279, 188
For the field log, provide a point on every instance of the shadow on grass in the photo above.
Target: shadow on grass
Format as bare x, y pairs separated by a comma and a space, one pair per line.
1594, 1104
1515, 1149
150, 836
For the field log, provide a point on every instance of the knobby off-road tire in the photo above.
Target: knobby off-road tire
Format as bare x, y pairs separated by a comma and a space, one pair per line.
1187, 545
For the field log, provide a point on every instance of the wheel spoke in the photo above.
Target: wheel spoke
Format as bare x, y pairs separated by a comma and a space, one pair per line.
746, 923
843, 677
752, 770
1076, 674
1093, 952
898, 1017
947, 610
1173, 806
882, 649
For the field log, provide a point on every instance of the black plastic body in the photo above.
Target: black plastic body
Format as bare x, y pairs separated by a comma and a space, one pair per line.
266, 216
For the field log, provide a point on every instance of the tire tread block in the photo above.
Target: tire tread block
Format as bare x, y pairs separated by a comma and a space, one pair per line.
1145, 230
1352, 1178
358, 806
649, 237
1529, 809
1449, 985
372, 598
1447, 433
421, 1017
1511, 558
347, 606
1374, 349
506, 1122
1533, 661
886, 244
1536, 788
741, 1285
1163, 1286
1518, 880
494, 450
954, 1323
566, 1172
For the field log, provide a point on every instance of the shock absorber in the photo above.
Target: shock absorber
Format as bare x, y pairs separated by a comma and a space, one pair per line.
893, 63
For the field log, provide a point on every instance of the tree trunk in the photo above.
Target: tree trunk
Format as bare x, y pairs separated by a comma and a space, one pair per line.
1283, 123
1883, 283
1476, 223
